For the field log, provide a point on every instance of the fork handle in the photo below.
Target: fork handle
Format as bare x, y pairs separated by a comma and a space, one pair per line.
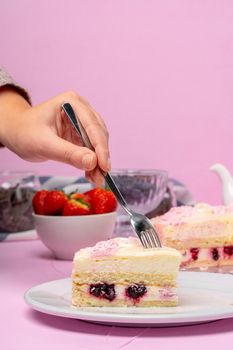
87, 143
111, 184
67, 108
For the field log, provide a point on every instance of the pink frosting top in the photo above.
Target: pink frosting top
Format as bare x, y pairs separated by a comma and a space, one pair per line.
106, 248
110, 247
184, 214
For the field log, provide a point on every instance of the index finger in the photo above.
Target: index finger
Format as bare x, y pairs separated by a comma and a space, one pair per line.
96, 131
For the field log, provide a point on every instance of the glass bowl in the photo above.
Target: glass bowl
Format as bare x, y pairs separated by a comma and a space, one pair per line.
143, 190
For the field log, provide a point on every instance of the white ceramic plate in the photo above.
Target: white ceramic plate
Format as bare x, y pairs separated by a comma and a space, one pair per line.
202, 297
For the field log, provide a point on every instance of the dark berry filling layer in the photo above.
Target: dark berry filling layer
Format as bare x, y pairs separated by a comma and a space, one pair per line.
136, 291
215, 254
103, 291
223, 253
228, 250
194, 253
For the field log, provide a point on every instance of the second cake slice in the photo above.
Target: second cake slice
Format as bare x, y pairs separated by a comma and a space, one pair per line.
203, 234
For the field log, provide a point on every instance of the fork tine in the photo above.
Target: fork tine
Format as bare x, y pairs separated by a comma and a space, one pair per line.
152, 237
143, 239
156, 238
147, 233
147, 239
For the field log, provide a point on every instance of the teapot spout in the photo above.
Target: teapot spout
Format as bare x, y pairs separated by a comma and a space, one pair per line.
226, 180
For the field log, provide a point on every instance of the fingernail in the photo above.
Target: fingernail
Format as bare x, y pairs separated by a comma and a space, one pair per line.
87, 161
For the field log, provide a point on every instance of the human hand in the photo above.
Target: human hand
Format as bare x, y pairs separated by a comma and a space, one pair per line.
43, 132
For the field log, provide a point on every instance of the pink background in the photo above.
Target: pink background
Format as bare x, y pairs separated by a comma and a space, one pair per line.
159, 72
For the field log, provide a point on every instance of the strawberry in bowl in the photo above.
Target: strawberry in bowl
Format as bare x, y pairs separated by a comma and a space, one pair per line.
67, 223
38, 202
102, 201
56, 202
78, 204
47, 202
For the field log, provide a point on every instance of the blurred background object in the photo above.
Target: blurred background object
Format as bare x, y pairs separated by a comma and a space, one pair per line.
143, 190
16, 192
226, 182
148, 191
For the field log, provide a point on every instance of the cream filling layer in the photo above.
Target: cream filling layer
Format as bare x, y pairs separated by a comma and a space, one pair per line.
117, 265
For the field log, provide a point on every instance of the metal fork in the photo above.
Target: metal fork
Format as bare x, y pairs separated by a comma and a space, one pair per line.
141, 224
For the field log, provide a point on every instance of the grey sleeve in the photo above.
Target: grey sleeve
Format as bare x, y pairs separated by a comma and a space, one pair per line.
7, 80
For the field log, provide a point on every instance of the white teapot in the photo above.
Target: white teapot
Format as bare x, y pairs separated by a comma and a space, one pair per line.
227, 182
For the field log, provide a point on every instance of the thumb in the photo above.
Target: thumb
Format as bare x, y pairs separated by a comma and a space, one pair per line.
66, 152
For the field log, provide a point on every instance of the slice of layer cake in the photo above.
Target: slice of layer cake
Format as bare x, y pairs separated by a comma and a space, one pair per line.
203, 234
120, 272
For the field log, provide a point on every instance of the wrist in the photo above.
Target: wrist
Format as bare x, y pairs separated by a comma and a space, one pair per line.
12, 105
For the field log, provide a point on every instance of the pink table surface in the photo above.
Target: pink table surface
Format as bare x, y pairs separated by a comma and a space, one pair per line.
28, 263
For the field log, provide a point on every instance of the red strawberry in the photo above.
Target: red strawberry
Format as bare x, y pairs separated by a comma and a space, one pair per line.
102, 200
76, 207
54, 202
90, 194
78, 196
38, 202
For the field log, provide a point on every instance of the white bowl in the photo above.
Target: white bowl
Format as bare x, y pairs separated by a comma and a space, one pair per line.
64, 235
